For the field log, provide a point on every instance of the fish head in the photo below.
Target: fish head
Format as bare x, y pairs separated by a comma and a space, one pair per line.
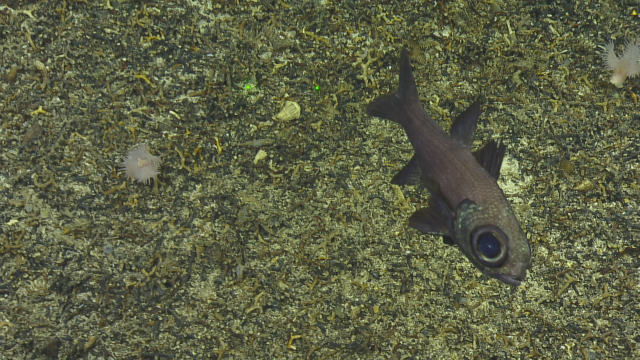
491, 238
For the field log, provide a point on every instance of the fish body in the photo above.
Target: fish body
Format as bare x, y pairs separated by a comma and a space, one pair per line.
466, 208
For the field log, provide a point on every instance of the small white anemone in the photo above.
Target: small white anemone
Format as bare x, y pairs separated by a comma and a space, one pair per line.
625, 66
141, 165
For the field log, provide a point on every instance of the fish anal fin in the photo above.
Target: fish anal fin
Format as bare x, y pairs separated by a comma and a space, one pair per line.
410, 173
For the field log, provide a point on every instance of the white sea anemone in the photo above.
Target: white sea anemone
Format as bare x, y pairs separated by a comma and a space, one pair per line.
141, 165
625, 66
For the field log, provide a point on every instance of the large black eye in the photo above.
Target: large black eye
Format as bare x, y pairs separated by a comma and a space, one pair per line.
489, 245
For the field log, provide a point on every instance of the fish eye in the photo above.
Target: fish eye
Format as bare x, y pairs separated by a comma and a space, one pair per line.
489, 245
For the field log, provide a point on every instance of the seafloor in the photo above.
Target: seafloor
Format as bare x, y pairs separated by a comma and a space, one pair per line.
268, 237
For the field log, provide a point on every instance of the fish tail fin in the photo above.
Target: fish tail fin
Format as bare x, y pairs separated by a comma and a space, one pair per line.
394, 106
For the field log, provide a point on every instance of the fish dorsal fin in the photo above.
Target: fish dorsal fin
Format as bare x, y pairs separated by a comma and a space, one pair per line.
465, 125
490, 158
410, 173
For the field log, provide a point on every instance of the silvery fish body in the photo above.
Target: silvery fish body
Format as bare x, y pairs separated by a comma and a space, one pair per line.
466, 208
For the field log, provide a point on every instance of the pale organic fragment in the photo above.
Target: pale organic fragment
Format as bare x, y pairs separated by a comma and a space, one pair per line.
40, 66
290, 111
11, 75
566, 167
584, 185
259, 156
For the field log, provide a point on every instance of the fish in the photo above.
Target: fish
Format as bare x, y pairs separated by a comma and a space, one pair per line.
466, 208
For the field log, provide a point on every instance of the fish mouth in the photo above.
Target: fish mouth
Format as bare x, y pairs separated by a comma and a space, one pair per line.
514, 275
509, 279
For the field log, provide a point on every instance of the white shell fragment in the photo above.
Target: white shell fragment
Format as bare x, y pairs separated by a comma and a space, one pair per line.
259, 156
290, 111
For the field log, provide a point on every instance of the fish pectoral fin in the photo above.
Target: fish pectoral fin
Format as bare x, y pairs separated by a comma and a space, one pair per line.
429, 221
410, 173
464, 126
490, 158
437, 218
448, 240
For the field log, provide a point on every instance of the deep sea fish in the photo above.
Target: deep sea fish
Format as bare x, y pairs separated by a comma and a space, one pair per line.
466, 208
